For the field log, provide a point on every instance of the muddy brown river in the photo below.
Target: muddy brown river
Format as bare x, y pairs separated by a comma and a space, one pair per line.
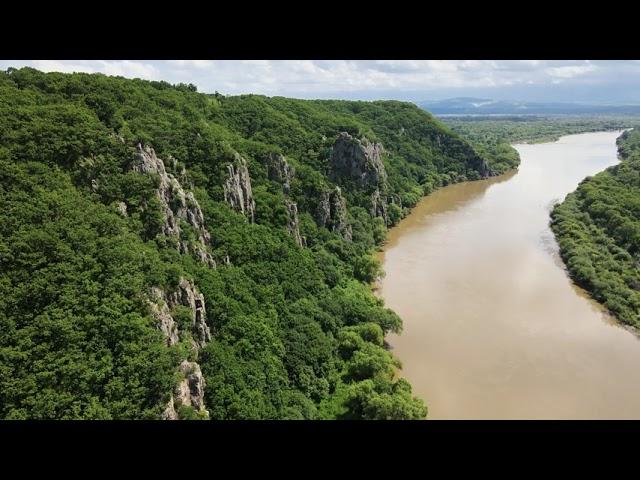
493, 326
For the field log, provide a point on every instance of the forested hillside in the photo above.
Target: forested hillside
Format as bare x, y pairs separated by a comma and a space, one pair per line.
171, 254
500, 130
598, 230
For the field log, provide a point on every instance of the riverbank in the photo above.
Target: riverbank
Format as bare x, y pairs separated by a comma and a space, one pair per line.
493, 326
598, 231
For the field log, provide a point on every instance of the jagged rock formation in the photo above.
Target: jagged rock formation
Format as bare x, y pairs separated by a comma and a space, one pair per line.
187, 295
169, 412
191, 389
358, 160
293, 226
162, 313
176, 205
279, 170
237, 188
189, 392
332, 213
163, 303
378, 206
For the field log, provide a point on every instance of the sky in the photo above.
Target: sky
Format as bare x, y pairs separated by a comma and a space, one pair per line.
583, 81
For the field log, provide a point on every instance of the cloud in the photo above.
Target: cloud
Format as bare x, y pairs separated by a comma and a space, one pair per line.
570, 71
403, 79
124, 68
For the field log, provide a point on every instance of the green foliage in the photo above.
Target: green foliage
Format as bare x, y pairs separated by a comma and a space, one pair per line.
598, 230
297, 331
498, 131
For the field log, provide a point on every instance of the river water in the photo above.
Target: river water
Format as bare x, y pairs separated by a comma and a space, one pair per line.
493, 326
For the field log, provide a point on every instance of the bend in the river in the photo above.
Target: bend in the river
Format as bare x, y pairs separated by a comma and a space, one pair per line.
493, 325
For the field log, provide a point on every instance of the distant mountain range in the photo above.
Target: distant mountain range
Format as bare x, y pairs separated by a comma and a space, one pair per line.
485, 106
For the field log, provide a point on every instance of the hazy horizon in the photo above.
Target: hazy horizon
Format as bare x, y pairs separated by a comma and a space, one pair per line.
613, 82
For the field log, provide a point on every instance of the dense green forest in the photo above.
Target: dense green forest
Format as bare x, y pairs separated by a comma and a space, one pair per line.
598, 230
493, 131
171, 254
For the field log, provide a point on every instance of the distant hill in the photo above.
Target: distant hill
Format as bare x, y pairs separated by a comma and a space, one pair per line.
485, 106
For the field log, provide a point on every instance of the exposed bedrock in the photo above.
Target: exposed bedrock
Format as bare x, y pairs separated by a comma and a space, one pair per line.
357, 160
176, 204
188, 393
237, 188
279, 170
293, 226
163, 306
332, 213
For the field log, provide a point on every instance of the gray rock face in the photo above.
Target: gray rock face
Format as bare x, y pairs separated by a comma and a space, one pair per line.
162, 304
358, 160
176, 204
162, 313
187, 295
332, 213
279, 170
169, 412
237, 188
293, 225
189, 392
378, 206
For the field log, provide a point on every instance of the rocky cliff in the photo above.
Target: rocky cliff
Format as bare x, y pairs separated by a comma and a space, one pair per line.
163, 305
293, 225
188, 393
332, 213
237, 188
176, 204
378, 206
359, 160
279, 170
190, 390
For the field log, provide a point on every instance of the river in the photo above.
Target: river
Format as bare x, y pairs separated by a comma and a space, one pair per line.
493, 326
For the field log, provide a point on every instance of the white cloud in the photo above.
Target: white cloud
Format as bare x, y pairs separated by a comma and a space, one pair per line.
361, 78
124, 68
570, 71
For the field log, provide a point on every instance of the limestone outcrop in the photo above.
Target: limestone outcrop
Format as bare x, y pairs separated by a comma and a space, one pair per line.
293, 226
176, 204
164, 303
189, 392
360, 161
332, 213
378, 206
357, 160
162, 313
237, 188
279, 170
187, 295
